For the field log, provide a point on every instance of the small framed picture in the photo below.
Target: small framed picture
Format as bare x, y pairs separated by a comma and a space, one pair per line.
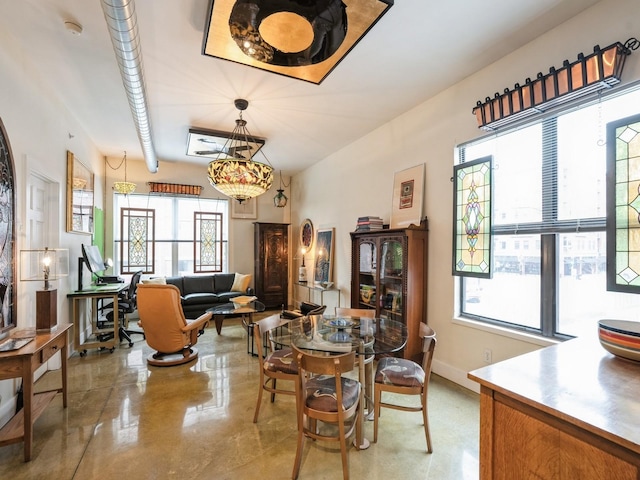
323, 262
248, 209
408, 192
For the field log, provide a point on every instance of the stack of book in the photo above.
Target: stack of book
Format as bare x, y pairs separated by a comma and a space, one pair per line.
369, 223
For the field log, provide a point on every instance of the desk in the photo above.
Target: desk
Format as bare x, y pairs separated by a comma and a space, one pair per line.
94, 293
23, 363
367, 336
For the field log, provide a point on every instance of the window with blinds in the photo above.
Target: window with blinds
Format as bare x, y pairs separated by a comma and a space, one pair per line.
549, 224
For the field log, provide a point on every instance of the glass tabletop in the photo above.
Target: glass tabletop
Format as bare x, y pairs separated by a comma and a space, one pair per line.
234, 308
342, 334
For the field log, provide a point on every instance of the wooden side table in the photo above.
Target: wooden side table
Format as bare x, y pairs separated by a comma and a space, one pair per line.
23, 363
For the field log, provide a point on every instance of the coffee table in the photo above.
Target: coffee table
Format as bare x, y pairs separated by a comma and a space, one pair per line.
220, 312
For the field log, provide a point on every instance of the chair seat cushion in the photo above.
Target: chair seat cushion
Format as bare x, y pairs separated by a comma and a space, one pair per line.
399, 371
200, 299
281, 361
321, 393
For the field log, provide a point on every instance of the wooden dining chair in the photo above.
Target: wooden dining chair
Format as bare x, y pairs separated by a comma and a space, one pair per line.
324, 395
274, 364
368, 359
399, 375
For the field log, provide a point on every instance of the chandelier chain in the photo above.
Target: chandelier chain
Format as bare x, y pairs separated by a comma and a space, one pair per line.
119, 165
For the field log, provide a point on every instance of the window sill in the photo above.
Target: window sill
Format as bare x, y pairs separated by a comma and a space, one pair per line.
506, 332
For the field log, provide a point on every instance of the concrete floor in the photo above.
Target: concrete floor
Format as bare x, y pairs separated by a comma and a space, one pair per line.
127, 420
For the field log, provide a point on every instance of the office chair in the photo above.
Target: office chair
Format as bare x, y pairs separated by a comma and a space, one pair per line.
127, 303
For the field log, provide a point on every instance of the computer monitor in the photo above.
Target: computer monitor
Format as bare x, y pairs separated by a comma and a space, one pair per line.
93, 259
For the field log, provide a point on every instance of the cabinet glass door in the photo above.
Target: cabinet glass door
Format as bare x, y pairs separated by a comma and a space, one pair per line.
391, 281
368, 258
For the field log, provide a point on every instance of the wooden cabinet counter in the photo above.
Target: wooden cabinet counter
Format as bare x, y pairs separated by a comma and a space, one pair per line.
570, 411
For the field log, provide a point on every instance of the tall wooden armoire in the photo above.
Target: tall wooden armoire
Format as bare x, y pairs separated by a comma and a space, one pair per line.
271, 254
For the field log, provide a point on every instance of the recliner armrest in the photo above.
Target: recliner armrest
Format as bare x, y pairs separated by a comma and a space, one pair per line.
193, 327
250, 291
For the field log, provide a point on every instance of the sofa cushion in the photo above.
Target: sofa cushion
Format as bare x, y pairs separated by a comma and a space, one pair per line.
222, 282
155, 281
177, 281
197, 284
200, 298
241, 282
225, 297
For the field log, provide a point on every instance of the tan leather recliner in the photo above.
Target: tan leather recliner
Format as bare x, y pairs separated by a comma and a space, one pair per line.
165, 327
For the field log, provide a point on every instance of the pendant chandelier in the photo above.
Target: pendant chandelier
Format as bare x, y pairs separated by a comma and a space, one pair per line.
234, 172
125, 188
280, 200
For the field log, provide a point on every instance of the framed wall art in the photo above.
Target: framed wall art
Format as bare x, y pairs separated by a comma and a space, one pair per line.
306, 234
323, 263
248, 209
408, 193
8, 303
79, 196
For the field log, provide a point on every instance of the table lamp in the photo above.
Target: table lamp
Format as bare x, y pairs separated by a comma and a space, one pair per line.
302, 271
46, 265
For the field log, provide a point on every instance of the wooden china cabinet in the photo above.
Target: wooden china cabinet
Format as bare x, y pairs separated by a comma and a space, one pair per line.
271, 263
389, 275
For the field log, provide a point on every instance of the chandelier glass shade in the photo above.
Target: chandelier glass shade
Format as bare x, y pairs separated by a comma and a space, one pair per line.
124, 188
234, 172
280, 200
240, 179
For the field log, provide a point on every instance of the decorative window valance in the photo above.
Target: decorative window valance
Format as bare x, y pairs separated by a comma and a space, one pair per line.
174, 189
600, 70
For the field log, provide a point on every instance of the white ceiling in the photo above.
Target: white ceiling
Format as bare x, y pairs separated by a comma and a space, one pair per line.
416, 50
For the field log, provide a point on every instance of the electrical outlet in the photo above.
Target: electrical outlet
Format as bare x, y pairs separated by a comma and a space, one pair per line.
486, 355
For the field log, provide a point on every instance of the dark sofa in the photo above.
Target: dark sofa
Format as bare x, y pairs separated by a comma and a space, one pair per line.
201, 292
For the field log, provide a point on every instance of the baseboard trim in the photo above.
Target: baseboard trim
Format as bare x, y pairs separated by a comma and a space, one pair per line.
455, 375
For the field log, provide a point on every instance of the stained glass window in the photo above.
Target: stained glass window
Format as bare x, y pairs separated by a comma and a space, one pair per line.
472, 218
623, 205
137, 247
207, 242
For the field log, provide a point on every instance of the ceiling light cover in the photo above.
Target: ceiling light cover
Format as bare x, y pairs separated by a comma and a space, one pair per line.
304, 40
233, 174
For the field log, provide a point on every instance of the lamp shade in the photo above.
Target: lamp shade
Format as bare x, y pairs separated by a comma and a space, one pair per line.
280, 200
44, 264
240, 179
234, 172
124, 188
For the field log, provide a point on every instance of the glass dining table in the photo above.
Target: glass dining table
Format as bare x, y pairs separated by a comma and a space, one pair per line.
326, 334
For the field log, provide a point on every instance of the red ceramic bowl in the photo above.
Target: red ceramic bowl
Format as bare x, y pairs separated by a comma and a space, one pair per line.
620, 337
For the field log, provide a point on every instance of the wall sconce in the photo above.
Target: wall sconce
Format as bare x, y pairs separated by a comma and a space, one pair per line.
302, 271
598, 71
45, 265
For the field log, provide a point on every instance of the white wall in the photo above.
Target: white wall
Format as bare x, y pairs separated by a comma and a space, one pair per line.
358, 180
40, 130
